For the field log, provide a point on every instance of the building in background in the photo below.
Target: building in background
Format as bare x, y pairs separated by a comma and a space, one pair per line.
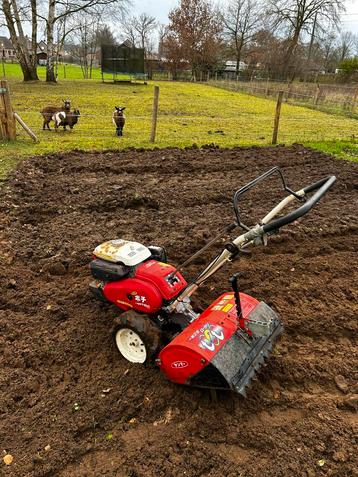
7, 51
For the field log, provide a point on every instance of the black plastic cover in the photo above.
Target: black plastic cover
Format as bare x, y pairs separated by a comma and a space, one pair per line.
108, 271
158, 253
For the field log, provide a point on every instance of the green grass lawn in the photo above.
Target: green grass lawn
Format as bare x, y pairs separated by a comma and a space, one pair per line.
189, 114
66, 71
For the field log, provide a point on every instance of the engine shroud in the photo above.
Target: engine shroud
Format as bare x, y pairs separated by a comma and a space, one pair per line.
152, 283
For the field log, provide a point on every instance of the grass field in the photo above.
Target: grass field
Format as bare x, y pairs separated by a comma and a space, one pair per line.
189, 114
67, 71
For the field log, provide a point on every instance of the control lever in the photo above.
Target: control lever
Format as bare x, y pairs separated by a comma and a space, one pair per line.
235, 288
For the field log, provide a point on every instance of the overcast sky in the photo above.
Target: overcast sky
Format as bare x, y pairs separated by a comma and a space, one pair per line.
160, 9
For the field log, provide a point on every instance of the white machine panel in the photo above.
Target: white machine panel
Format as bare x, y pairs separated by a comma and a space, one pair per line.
129, 253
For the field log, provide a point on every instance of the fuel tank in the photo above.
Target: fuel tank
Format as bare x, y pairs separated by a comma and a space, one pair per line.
153, 283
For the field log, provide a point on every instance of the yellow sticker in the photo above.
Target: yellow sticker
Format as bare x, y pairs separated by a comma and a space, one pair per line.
227, 307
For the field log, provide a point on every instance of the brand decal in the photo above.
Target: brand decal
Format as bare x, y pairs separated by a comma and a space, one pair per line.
210, 336
139, 299
180, 364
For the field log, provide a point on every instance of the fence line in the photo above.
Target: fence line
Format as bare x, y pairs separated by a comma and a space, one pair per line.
320, 98
260, 133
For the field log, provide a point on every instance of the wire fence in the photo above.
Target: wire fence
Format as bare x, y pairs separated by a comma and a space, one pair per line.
181, 124
337, 98
325, 97
245, 128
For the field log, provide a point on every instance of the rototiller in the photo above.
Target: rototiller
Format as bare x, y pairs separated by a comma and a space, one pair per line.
222, 347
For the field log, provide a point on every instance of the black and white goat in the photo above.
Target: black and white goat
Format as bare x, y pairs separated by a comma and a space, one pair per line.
63, 118
119, 120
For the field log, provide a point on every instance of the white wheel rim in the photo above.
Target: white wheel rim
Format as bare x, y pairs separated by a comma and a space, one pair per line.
131, 346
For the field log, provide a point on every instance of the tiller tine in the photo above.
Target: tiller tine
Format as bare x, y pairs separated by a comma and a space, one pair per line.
220, 351
240, 358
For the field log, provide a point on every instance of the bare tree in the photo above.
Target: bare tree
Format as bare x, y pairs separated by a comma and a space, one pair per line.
161, 39
139, 29
57, 10
241, 20
298, 16
16, 15
88, 34
346, 44
328, 50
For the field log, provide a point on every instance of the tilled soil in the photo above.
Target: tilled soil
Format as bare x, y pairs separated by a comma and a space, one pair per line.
70, 406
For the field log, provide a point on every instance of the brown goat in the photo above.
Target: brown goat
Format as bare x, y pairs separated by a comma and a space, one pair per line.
49, 112
119, 120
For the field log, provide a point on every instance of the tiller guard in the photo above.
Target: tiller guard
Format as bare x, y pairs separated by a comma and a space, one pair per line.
218, 350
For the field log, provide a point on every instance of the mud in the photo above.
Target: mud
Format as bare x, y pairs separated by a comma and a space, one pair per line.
70, 406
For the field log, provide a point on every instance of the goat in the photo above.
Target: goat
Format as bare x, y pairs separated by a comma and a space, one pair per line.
49, 112
119, 120
66, 119
58, 119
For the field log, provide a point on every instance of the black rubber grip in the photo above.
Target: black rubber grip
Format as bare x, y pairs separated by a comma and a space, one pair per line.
323, 185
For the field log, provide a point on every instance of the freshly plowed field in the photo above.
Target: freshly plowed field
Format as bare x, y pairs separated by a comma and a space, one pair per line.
71, 406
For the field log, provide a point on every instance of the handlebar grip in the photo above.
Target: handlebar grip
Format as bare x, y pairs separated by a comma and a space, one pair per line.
323, 185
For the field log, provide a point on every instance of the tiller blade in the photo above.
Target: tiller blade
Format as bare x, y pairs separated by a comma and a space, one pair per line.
219, 350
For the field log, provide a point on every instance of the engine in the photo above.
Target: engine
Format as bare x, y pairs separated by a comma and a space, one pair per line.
134, 277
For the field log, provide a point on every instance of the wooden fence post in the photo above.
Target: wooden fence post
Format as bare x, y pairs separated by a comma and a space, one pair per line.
155, 114
267, 87
318, 91
289, 88
8, 120
354, 100
277, 117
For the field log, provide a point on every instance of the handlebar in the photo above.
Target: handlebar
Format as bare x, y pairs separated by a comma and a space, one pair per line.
252, 184
269, 225
323, 186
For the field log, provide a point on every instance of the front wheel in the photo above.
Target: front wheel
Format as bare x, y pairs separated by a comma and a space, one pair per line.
136, 337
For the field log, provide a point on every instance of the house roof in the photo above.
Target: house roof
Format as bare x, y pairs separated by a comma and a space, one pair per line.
6, 43
127, 43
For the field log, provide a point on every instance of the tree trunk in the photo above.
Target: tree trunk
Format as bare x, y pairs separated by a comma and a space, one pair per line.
50, 70
286, 70
238, 45
34, 34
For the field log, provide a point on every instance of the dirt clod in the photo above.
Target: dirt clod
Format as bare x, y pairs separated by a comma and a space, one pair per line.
351, 402
341, 383
55, 268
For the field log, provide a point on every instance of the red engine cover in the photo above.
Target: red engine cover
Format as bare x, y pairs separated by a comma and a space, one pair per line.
153, 282
159, 274
194, 348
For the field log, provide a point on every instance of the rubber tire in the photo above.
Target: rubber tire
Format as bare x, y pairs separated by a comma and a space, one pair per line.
144, 327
